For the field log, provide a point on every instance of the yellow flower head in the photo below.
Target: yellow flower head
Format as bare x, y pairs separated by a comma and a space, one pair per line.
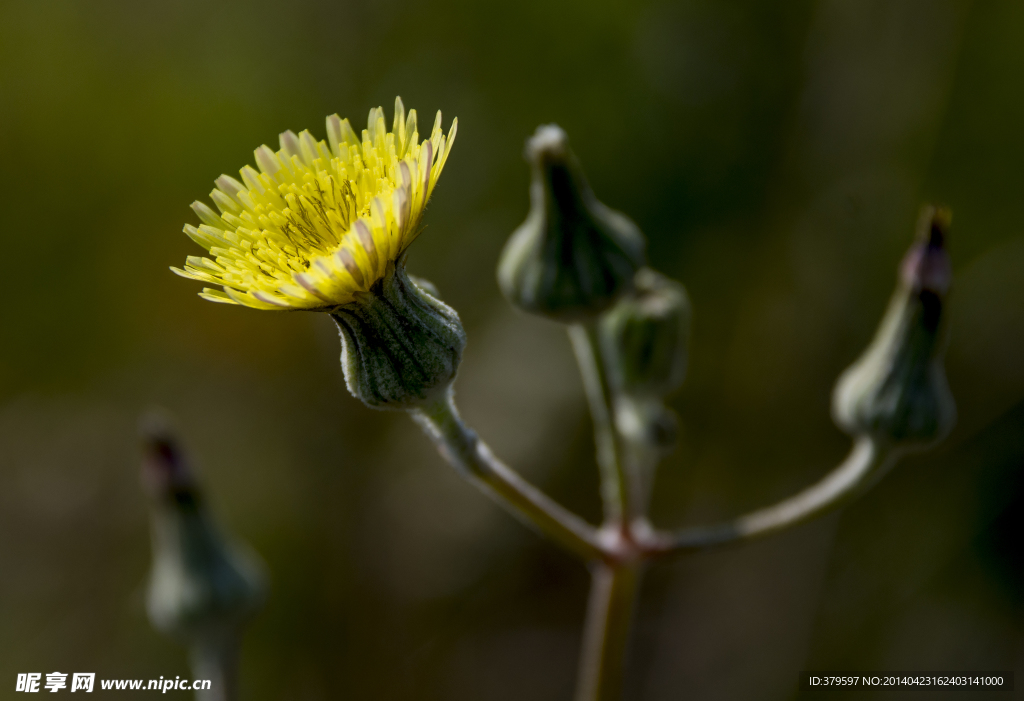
320, 222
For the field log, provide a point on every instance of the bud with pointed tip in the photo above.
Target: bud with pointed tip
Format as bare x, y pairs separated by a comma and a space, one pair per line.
401, 346
897, 391
644, 337
203, 586
573, 257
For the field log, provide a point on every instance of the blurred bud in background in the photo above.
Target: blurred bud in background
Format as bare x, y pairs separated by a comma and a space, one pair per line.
644, 345
573, 257
204, 586
645, 337
401, 346
897, 391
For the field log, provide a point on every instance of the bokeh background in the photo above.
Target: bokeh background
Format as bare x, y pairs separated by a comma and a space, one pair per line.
775, 153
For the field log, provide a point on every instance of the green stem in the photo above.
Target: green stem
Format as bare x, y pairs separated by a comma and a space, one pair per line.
471, 457
613, 593
641, 461
868, 461
617, 487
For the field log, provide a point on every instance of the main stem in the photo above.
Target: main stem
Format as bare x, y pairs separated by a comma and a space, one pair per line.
613, 591
614, 582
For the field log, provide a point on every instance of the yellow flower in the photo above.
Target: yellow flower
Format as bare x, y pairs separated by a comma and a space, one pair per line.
319, 223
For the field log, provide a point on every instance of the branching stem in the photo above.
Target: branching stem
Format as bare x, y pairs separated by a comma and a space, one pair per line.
617, 552
471, 457
866, 463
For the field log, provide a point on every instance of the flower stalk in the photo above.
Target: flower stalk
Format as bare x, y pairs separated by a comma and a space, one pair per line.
868, 461
618, 488
474, 461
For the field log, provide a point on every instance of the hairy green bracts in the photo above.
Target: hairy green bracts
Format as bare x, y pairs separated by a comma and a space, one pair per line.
897, 391
203, 587
644, 337
573, 257
401, 346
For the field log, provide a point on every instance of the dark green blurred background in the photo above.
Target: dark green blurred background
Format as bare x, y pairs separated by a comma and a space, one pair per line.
775, 153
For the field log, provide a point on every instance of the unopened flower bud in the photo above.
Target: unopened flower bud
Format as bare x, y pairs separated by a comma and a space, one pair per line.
644, 337
203, 586
573, 257
897, 391
401, 346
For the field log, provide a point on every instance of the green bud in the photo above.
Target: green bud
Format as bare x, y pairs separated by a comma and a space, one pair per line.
573, 257
203, 586
400, 345
897, 391
644, 337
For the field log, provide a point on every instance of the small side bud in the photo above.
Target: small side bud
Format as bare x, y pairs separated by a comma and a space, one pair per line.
203, 586
400, 345
644, 337
573, 257
897, 391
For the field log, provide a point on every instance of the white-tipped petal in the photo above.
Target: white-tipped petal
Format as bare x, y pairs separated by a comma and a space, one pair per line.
207, 215
365, 238
306, 280
348, 262
307, 145
290, 144
268, 161
215, 296
334, 137
224, 203
269, 299
229, 186
252, 180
